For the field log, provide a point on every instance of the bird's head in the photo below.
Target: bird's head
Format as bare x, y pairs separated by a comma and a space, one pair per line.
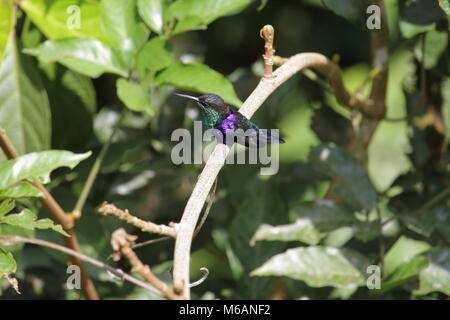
211, 101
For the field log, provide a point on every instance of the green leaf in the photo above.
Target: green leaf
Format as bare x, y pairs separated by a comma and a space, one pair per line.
6, 206
66, 18
7, 21
435, 44
420, 16
121, 24
199, 78
436, 277
354, 185
21, 190
403, 250
86, 56
262, 205
7, 263
352, 10
445, 5
205, 11
73, 103
317, 266
134, 96
37, 164
28, 220
326, 215
155, 55
405, 272
302, 230
24, 109
152, 12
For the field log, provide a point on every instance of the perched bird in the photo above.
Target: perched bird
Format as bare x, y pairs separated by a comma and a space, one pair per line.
216, 114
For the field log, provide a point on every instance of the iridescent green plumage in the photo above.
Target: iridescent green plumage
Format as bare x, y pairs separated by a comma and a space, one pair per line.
210, 117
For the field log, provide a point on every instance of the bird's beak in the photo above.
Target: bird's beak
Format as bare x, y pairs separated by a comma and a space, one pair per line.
186, 96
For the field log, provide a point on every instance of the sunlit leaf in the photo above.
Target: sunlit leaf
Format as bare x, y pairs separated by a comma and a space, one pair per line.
420, 16
21, 190
28, 220
155, 55
198, 78
121, 24
7, 21
205, 11
66, 18
134, 96
302, 230
436, 277
6, 206
404, 249
86, 56
317, 266
7, 263
152, 12
37, 164
24, 108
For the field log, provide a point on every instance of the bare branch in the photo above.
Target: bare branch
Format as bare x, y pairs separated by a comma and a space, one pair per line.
122, 242
107, 209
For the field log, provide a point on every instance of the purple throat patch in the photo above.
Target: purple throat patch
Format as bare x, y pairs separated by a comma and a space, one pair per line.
228, 123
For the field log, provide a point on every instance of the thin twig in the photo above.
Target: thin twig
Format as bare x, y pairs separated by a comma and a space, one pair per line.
107, 209
8, 240
58, 215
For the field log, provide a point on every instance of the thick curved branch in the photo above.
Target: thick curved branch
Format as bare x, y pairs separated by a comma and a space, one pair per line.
217, 158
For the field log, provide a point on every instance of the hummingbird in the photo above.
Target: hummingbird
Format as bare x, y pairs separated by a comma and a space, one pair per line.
226, 119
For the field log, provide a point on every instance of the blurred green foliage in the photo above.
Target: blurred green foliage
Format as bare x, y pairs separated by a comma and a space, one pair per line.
72, 72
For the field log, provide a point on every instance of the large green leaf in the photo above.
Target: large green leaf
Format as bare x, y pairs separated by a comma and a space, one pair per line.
155, 55
317, 266
73, 103
436, 277
7, 263
302, 230
420, 16
403, 250
199, 78
6, 206
6, 25
121, 24
21, 190
353, 185
198, 13
152, 12
262, 205
86, 56
405, 272
435, 45
134, 96
326, 215
24, 109
28, 220
37, 164
59, 19
352, 10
